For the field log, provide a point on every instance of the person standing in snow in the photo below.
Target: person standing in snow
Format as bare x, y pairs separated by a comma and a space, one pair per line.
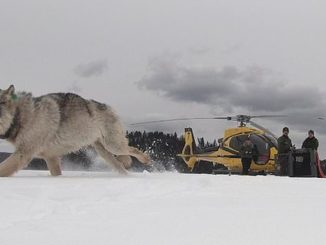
311, 142
284, 149
247, 152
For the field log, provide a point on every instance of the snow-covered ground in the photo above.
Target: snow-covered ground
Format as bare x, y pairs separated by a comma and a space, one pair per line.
169, 208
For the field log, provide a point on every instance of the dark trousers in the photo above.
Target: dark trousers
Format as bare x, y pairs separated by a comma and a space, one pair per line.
283, 160
246, 162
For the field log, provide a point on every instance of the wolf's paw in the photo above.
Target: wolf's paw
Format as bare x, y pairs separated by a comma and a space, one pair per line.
146, 159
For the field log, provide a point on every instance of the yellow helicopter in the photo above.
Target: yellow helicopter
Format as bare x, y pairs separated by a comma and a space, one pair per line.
227, 154
228, 151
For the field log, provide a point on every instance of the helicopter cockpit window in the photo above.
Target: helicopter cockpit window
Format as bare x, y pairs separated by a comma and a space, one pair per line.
263, 148
237, 141
272, 139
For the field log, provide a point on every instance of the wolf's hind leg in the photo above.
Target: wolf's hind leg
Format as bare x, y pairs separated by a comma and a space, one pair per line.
14, 163
54, 165
109, 158
118, 145
141, 156
126, 160
125, 150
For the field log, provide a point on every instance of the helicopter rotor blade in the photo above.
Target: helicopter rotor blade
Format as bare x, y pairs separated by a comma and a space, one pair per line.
180, 119
267, 116
258, 126
234, 118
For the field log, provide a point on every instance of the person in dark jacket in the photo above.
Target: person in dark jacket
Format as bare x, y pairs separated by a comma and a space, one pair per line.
284, 148
247, 151
311, 142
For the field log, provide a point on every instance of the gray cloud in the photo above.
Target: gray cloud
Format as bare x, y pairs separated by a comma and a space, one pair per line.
253, 90
94, 68
199, 50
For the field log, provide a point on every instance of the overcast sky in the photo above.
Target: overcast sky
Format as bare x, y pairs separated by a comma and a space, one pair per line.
160, 59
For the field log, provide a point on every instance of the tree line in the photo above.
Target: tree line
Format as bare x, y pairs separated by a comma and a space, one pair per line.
163, 148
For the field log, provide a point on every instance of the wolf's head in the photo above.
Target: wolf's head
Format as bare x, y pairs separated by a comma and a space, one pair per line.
7, 108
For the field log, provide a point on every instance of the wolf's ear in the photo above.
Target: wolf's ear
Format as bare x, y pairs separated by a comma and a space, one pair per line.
11, 90
10, 93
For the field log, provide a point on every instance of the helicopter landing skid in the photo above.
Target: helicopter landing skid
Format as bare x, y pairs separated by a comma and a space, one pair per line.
227, 172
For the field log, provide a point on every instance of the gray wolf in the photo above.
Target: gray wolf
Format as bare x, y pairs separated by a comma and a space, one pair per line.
56, 124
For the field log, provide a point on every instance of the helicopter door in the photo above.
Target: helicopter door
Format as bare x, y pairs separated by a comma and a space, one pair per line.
263, 148
262, 144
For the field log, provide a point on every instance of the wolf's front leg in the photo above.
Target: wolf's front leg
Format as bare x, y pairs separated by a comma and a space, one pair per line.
54, 165
14, 163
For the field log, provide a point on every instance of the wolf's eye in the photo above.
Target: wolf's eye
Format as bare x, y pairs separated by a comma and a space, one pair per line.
2, 102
